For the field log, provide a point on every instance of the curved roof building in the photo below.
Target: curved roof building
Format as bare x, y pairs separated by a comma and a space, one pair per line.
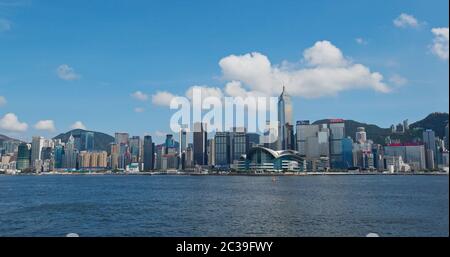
265, 159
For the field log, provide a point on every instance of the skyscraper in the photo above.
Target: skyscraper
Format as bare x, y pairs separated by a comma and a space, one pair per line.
284, 119
36, 149
87, 141
135, 148
429, 139
337, 134
223, 149
183, 141
239, 143
200, 141
121, 138
23, 156
361, 136
70, 154
148, 153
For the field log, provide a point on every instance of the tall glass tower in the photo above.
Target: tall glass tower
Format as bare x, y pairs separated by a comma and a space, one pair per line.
284, 119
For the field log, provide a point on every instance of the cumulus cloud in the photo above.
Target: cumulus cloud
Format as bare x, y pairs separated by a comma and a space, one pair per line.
327, 72
406, 20
398, 80
138, 95
440, 43
162, 98
48, 125
5, 25
78, 125
2, 100
10, 122
65, 72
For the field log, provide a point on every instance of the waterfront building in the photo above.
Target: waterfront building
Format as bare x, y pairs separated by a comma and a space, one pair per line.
23, 156
114, 157
93, 160
222, 142
200, 141
412, 153
70, 154
58, 156
121, 138
239, 143
264, 159
87, 138
36, 148
429, 139
347, 152
211, 152
149, 153
337, 134
361, 136
312, 143
135, 149
285, 120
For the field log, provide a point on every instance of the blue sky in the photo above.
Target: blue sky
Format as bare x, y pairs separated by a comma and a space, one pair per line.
107, 50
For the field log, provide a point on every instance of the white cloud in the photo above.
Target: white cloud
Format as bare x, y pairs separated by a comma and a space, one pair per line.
5, 25
11, 123
324, 54
2, 101
78, 125
139, 109
327, 73
361, 41
138, 95
398, 80
66, 72
48, 125
440, 43
406, 20
205, 91
162, 98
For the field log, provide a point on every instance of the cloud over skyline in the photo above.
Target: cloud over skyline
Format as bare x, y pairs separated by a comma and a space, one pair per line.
10, 122
47, 125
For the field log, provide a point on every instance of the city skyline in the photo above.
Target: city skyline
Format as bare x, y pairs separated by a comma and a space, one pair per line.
116, 88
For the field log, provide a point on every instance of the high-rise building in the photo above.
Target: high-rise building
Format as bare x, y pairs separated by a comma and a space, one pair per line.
58, 156
135, 149
211, 151
70, 154
148, 153
347, 152
183, 141
429, 139
200, 141
23, 156
114, 157
406, 124
87, 138
36, 148
222, 142
411, 153
121, 138
239, 143
361, 136
284, 120
446, 142
337, 134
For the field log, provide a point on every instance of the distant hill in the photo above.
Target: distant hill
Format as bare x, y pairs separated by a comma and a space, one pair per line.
435, 121
102, 141
6, 138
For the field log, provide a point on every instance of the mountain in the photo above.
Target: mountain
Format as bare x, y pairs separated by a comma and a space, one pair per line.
6, 138
102, 141
435, 121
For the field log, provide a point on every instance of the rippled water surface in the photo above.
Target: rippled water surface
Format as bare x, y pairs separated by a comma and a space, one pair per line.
224, 206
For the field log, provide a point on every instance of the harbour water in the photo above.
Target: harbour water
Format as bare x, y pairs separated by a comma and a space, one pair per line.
107, 205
